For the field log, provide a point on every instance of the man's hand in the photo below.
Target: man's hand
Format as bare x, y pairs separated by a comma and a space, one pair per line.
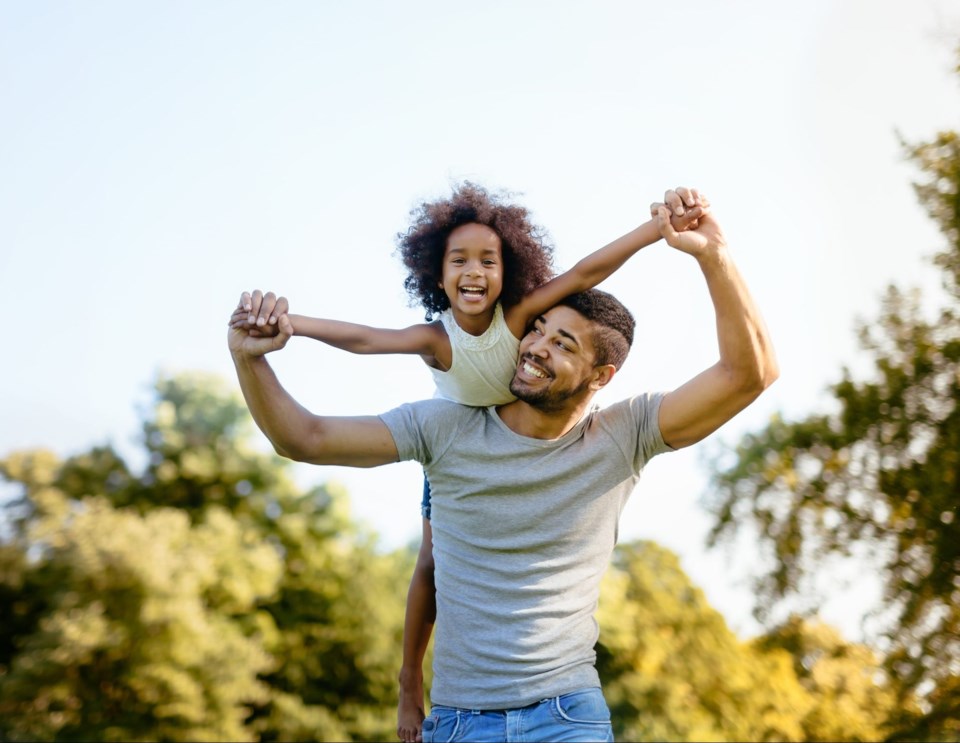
686, 207
259, 324
707, 238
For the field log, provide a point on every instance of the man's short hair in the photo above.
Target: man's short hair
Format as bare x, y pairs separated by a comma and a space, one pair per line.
613, 324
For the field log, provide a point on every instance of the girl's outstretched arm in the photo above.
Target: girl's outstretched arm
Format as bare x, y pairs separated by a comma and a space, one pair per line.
258, 314
422, 339
599, 265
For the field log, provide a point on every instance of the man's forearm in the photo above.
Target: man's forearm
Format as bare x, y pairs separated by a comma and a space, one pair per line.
286, 423
746, 351
747, 364
295, 432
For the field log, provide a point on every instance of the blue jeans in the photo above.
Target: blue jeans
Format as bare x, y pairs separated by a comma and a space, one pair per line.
581, 716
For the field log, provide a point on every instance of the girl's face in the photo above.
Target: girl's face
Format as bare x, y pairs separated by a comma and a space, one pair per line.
472, 272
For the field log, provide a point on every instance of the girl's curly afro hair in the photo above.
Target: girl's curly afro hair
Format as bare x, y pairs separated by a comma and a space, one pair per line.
527, 257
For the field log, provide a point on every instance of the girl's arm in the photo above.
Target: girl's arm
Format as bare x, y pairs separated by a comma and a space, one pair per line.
424, 339
599, 265
258, 314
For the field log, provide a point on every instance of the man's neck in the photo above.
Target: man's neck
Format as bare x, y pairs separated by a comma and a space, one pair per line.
526, 420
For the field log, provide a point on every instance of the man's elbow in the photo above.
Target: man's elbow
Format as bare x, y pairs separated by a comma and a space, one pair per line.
284, 451
759, 377
292, 450
771, 373
769, 368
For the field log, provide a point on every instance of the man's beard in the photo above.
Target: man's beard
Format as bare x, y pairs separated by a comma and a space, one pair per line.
546, 399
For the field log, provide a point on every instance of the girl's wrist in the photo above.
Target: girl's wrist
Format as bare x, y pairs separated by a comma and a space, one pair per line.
295, 323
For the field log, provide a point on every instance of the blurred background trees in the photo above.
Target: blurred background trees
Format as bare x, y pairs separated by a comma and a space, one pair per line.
204, 598
673, 670
877, 478
208, 597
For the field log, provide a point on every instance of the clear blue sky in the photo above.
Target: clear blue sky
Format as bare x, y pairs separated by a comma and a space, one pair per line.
157, 158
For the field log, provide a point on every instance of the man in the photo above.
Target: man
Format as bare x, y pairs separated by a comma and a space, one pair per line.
527, 495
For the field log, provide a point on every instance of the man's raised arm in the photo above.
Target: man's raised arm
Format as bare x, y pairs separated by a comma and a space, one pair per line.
293, 430
747, 364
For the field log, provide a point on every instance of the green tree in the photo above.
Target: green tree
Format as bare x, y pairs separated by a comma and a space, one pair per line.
878, 477
673, 670
204, 597
134, 634
850, 694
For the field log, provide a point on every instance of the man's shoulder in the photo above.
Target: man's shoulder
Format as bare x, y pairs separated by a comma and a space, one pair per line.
423, 429
637, 414
633, 419
639, 402
435, 408
441, 404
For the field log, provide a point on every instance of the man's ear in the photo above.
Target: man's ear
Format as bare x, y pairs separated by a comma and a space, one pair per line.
602, 376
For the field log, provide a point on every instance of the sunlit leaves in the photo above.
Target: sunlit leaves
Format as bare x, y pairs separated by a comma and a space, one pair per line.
673, 670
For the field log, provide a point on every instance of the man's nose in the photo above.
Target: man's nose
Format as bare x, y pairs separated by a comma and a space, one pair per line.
538, 347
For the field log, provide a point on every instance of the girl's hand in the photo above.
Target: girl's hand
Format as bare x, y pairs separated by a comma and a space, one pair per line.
263, 309
259, 313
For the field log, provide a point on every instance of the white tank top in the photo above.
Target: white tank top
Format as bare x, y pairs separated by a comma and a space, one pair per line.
482, 365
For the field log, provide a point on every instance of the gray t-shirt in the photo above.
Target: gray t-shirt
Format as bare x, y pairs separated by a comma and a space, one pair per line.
523, 531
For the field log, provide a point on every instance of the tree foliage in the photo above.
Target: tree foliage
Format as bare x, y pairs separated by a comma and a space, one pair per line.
673, 670
137, 639
879, 477
207, 597
850, 695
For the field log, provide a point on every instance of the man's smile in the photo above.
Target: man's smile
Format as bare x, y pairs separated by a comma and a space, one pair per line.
534, 370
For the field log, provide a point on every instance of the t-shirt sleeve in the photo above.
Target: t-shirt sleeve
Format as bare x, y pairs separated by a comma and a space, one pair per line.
423, 430
634, 425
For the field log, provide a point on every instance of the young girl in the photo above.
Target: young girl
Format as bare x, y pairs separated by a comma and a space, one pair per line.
482, 268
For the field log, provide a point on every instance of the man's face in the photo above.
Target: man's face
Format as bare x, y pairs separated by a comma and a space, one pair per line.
556, 360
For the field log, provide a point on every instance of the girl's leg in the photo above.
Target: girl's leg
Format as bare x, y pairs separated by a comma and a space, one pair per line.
418, 626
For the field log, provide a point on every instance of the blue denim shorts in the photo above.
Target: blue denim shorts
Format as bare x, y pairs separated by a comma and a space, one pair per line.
581, 716
425, 500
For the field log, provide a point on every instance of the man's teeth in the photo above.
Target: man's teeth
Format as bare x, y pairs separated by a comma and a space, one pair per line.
533, 371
